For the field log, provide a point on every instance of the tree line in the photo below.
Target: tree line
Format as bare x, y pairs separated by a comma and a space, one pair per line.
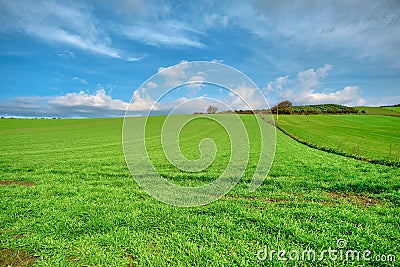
286, 107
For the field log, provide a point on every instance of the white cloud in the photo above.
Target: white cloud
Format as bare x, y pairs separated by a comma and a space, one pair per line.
100, 100
384, 100
71, 25
141, 102
347, 96
360, 29
214, 20
164, 33
244, 97
277, 84
310, 79
79, 104
151, 85
307, 88
174, 75
82, 104
197, 78
80, 80
200, 104
197, 81
205, 83
66, 54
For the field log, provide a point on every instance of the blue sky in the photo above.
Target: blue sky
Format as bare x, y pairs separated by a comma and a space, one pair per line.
89, 58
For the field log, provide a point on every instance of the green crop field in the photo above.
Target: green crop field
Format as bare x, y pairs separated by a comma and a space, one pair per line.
374, 137
68, 199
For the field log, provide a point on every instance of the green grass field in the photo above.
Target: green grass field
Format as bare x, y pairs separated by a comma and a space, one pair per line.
387, 111
76, 204
396, 109
374, 137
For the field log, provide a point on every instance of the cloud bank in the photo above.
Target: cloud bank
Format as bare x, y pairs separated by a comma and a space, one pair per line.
79, 104
307, 88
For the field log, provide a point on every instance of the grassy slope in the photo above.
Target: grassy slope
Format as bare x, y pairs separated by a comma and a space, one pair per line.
85, 209
379, 110
396, 109
375, 137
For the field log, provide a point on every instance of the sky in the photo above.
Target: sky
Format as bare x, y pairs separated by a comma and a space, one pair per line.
95, 58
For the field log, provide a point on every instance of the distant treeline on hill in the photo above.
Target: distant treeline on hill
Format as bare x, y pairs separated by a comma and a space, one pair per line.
286, 107
322, 109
